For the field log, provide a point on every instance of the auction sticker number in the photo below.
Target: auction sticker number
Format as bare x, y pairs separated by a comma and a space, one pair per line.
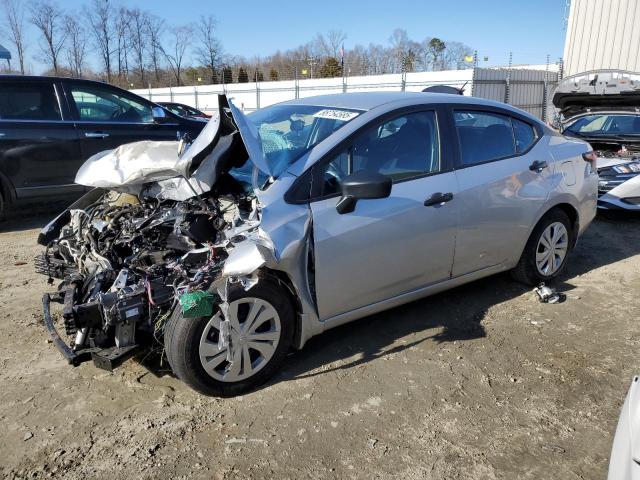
343, 115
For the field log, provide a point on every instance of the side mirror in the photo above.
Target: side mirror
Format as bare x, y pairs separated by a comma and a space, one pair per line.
362, 185
159, 115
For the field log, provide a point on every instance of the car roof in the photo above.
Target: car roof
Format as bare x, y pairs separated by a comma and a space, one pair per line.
43, 78
370, 100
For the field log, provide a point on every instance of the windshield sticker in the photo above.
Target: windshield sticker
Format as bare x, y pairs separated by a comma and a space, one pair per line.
343, 115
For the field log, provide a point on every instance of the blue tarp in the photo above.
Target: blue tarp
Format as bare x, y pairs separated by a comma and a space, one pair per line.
4, 53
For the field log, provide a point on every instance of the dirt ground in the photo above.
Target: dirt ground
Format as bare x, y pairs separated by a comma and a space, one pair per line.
479, 382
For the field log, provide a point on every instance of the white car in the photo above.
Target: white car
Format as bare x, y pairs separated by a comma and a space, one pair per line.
603, 108
625, 453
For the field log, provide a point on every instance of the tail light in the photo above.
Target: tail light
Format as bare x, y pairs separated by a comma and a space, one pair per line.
592, 158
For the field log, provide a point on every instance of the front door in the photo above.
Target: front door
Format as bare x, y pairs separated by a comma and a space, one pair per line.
109, 117
390, 246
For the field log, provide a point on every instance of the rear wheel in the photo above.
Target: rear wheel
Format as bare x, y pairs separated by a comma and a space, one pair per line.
545, 255
218, 357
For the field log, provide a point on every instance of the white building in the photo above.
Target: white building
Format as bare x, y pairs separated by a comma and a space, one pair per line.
602, 34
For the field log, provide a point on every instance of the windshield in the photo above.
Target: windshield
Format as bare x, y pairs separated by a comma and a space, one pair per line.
286, 132
606, 125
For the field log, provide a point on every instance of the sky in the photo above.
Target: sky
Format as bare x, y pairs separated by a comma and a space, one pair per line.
530, 29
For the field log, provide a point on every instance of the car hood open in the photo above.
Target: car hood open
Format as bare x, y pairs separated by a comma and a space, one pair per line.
157, 166
600, 90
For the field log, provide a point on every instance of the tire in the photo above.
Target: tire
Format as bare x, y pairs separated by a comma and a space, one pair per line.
192, 343
528, 270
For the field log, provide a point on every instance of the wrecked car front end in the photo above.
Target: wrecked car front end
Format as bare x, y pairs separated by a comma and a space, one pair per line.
163, 231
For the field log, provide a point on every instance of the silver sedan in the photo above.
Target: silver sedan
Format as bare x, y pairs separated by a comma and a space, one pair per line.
342, 206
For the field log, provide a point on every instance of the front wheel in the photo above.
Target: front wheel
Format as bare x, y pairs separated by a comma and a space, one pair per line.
545, 255
218, 357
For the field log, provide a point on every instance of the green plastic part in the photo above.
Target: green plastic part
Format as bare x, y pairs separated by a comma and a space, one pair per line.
197, 304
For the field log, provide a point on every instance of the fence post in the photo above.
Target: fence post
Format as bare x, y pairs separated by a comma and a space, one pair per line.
296, 82
473, 74
403, 83
171, 93
150, 93
545, 91
507, 89
195, 93
257, 92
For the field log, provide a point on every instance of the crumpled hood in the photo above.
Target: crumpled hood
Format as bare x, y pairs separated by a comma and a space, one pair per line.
599, 90
131, 167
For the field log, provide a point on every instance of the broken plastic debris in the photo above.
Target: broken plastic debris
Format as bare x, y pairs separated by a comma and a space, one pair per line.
548, 294
197, 304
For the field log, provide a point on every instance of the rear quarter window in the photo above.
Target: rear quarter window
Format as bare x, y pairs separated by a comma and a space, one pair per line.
483, 136
524, 134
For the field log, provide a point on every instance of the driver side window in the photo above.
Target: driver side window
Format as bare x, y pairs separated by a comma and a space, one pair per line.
103, 105
402, 148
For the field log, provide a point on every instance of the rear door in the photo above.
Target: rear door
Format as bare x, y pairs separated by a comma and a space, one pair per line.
107, 117
388, 246
39, 145
501, 191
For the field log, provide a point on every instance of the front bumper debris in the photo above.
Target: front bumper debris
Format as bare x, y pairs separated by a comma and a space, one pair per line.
103, 358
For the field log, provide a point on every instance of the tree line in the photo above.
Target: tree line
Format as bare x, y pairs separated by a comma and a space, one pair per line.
132, 47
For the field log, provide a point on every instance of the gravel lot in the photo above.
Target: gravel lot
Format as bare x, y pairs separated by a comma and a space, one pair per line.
480, 382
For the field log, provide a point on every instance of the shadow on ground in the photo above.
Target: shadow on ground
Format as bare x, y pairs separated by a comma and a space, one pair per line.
455, 315
30, 215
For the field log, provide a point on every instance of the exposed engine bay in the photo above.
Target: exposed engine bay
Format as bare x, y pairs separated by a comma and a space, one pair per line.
130, 253
124, 262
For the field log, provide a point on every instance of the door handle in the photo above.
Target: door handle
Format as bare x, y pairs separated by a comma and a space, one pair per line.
538, 166
438, 199
96, 135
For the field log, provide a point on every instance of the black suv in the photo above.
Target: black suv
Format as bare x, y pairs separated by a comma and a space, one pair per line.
49, 126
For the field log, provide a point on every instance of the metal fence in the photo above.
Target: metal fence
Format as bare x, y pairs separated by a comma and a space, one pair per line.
529, 90
526, 89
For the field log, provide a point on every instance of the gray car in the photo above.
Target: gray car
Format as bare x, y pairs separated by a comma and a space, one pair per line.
274, 227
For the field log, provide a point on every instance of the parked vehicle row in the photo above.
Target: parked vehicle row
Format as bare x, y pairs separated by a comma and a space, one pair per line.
49, 126
603, 108
271, 228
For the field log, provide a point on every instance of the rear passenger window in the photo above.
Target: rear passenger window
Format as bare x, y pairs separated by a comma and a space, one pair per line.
524, 134
483, 136
28, 101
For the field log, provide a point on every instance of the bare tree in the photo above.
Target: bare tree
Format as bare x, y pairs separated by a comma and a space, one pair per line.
48, 18
121, 29
76, 47
335, 41
138, 35
14, 20
99, 16
329, 45
209, 51
455, 55
155, 30
180, 39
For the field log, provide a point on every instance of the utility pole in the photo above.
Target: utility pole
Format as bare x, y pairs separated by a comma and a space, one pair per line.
311, 61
